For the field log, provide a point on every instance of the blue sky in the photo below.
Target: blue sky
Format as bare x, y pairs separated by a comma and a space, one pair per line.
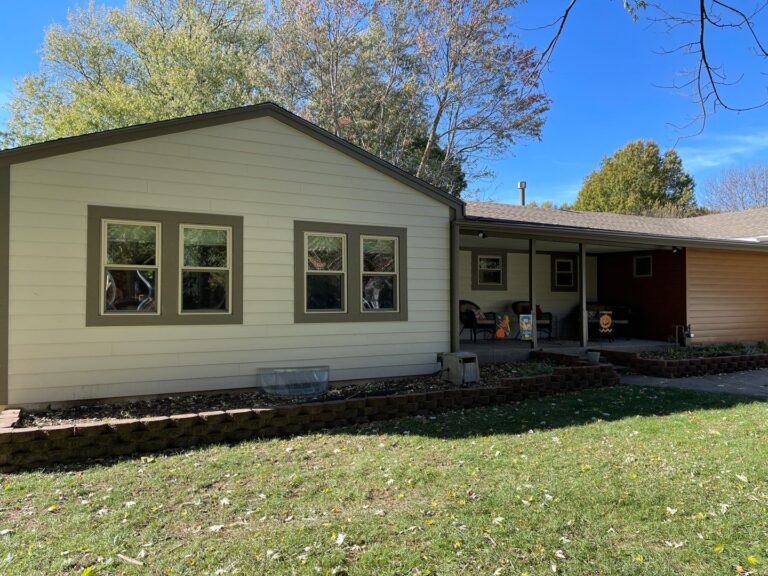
604, 82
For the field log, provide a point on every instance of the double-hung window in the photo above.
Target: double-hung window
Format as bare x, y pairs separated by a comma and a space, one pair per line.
564, 272
325, 258
379, 272
349, 273
489, 270
154, 267
206, 269
130, 264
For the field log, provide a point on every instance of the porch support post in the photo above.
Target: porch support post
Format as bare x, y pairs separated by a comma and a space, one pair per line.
454, 287
532, 290
582, 268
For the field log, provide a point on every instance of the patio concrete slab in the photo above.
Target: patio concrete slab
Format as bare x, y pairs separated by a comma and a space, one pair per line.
752, 383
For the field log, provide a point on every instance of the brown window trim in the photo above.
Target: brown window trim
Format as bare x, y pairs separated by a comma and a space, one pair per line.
169, 268
650, 266
553, 258
476, 254
353, 278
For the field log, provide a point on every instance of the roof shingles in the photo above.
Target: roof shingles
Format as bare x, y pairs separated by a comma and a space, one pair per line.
726, 226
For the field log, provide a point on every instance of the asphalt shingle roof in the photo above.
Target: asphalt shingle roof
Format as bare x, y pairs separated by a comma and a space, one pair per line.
725, 226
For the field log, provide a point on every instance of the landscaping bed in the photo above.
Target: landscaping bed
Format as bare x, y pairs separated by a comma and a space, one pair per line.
692, 360
33, 446
491, 375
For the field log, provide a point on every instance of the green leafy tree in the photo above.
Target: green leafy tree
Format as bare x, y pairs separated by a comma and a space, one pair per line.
638, 179
151, 60
441, 81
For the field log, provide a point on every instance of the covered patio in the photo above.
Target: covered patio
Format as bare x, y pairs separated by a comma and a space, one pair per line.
567, 280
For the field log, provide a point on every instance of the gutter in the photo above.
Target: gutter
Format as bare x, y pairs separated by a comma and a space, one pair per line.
576, 234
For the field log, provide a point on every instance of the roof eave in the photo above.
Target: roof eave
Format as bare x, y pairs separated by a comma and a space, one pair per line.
575, 233
174, 125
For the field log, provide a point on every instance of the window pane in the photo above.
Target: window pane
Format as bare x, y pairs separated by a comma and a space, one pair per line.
325, 253
379, 292
564, 265
564, 279
205, 248
131, 244
379, 255
489, 276
643, 266
204, 291
325, 292
485, 263
130, 290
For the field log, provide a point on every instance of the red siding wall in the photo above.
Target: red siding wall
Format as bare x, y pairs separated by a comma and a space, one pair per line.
657, 302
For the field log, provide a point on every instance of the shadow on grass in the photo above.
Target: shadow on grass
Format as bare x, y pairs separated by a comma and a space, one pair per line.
552, 412
562, 411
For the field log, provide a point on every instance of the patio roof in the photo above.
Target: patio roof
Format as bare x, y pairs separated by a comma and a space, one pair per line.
743, 228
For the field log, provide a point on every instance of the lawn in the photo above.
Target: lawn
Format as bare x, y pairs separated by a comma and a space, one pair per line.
616, 481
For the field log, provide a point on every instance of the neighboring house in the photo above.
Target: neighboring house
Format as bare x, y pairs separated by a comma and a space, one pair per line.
185, 255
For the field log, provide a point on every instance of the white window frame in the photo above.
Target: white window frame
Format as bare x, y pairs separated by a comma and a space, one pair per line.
500, 259
396, 273
572, 272
342, 272
183, 268
105, 222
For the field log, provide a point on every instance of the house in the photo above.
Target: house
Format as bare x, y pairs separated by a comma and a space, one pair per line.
187, 254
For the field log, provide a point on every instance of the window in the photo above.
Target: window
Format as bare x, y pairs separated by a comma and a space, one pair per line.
155, 267
563, 273
349, 273
130, 262
205, 269
379, 273
325, 270
489, 270
643, 266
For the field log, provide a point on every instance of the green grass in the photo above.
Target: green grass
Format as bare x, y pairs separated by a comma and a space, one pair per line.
619, 481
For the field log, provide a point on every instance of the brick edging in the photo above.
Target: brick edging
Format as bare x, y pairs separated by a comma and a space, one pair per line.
25, 448
680, 368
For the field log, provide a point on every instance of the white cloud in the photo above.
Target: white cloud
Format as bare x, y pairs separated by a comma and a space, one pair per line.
722, 149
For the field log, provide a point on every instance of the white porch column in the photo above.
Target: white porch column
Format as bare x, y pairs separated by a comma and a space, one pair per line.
455, 322
532, 291
582, 268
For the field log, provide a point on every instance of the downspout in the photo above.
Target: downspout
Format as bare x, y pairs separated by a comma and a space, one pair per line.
454, 282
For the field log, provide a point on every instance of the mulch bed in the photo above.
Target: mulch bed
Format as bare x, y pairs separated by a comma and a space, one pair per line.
491, 375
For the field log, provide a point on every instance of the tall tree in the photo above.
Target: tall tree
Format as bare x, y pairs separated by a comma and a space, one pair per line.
479, 83
442, 81
739, 188
152, 59
345, 66
638, 179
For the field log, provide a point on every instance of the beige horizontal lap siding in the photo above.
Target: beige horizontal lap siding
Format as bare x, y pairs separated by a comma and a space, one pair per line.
260, 169
560, 304
727, 295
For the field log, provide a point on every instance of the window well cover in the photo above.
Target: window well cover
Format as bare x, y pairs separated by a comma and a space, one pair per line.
293, 382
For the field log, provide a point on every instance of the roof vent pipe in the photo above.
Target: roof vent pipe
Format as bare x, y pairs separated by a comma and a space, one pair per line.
521, 186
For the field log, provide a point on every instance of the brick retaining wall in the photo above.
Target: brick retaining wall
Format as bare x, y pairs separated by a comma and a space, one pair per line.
25, 448
680, 368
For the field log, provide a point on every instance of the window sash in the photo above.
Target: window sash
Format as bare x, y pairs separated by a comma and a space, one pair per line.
183, 268
482, 267
104, 266
342, 272
395, 273
567, 273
